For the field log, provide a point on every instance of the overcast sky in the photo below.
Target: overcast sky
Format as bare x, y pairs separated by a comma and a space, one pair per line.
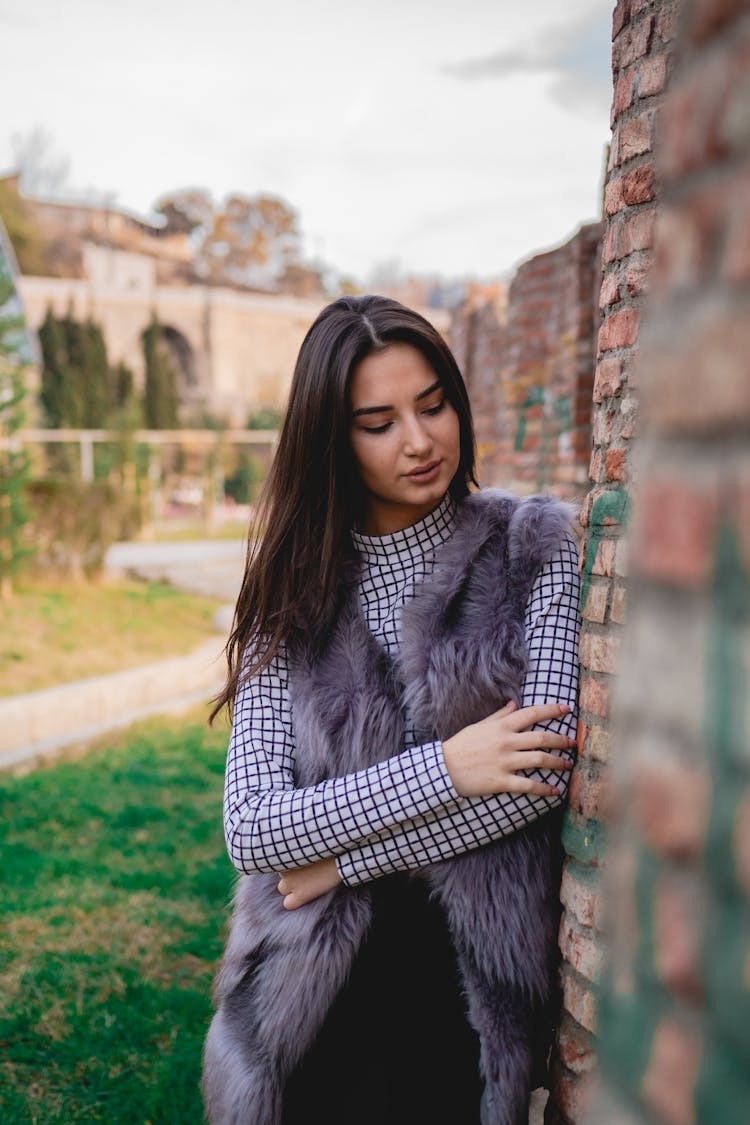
452, 136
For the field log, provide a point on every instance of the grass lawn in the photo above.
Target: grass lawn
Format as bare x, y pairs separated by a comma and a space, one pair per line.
55, 634
113, 898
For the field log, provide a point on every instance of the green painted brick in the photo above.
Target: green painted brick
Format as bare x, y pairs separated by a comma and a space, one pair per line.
584, 840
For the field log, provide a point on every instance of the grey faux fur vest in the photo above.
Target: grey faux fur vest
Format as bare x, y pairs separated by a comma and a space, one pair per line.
462, 655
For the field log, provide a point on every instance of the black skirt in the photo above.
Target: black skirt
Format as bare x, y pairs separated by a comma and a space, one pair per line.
396, 1046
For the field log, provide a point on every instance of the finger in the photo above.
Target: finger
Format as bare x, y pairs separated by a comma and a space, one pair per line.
535, 760
508, 709
291, 902
540, 713
283, 887
531, 786
541, 740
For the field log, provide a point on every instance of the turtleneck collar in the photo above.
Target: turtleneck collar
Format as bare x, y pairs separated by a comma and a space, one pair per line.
410, 542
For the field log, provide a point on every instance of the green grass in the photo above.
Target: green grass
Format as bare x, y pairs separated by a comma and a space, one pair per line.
54, 634
113, 901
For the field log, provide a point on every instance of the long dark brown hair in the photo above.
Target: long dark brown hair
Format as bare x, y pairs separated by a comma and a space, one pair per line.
300, 540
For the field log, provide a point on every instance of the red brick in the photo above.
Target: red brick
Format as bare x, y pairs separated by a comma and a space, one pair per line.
652, 75
619, 604
594, 696
609, 244
581, 734
635, 137
604, 563
579, 1001
608, 378
575, 1047
678, 250
622, 557
623, 94
609, 293
671, 804
588, 795
616, 465
620, 330
597, 598
571, 1094
599, 652
628, 416
666, 21
676, 533
668, 1085
635, 232
599, 743
741, 842
637, 279
596, 466
677, 936
634, 42
638, 185
582, 952
603, 426
620, 17
613, 201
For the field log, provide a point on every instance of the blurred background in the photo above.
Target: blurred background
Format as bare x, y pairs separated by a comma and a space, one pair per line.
564, 192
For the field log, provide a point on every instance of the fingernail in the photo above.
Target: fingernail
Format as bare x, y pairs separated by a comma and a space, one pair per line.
564, 708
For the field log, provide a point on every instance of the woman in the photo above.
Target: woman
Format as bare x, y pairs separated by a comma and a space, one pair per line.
396, 639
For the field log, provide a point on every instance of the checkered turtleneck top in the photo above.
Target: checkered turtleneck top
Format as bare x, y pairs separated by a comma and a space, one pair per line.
403, 813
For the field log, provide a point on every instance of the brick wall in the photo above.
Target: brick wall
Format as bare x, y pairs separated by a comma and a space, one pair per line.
530, 371
643, 36
675, 1006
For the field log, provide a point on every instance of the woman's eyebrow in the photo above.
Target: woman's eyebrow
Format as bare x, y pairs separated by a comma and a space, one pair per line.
381, 409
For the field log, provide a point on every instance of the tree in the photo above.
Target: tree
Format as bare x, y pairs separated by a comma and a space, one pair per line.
23, 234
249, 241
160, 393
42, 171
14, 461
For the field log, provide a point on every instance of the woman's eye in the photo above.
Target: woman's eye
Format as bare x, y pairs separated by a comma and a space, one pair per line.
435, 409
376, 429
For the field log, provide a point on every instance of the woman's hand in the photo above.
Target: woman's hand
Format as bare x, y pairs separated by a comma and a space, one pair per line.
485, 757
307, 883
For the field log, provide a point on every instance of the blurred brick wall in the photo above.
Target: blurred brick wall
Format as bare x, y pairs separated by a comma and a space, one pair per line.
675, 1008
530, 372
643, 38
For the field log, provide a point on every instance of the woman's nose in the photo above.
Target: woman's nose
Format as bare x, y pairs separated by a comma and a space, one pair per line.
417, 440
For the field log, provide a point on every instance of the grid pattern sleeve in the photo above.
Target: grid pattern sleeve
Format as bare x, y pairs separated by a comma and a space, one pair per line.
272, 826
552, 631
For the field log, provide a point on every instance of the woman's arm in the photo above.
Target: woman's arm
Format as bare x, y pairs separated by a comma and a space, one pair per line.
552, 630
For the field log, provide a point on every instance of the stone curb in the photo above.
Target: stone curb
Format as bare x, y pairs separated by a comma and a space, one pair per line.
40, 722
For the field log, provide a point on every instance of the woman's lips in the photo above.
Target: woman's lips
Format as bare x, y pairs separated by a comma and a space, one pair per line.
427, 473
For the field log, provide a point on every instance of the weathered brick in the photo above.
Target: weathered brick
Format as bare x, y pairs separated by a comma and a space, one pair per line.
599, 743
604, 561
652, 75
583, 952
623, 93
603, 427
613, 201
635, 232
638, 185
599, 652
666, 21
616, 465
571, 1094
677, 532
671, 803
735, 259
620, 17
637, 279
596, 466
620, 330
619, 604
579, 1000
609, 292
635, 137
582, 897
668, 1085
634, 42
677, 934
575, 1047
628, 415
594, 696
622, 558
678, 249
588, 793
608, 378
597, 598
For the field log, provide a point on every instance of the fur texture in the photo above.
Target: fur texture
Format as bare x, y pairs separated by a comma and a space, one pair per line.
462, 656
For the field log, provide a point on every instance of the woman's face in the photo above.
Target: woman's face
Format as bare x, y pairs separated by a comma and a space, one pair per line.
405, 437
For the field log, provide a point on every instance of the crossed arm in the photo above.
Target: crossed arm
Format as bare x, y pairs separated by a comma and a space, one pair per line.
415, 808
